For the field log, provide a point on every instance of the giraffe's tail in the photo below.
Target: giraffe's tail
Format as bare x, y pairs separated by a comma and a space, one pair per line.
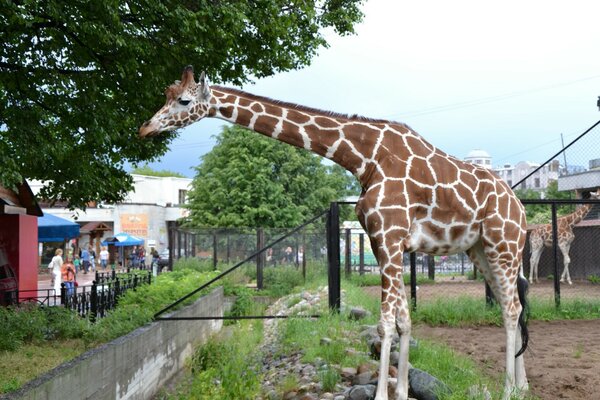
522, 286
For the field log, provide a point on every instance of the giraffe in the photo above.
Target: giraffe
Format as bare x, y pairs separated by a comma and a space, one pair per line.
541, 237
414, 198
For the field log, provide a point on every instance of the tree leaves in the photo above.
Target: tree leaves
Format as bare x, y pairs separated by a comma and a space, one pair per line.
77, 79
252, 181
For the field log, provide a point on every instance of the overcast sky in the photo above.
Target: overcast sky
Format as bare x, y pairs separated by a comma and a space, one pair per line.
507, 77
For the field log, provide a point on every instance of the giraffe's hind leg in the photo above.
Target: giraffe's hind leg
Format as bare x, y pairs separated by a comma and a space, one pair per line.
536, 252
502, 276
566, 261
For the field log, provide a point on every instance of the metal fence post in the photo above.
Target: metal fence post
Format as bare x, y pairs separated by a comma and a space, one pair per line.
260, 259
413, 281
555, 256
215, 251
333, 256
361, 251
348, 252
94, 302
63, 294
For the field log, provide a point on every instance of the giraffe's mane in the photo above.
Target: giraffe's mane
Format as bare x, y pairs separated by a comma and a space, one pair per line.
298, 107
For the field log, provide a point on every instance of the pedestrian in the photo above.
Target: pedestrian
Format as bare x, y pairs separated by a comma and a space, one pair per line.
85, 260
55, 267
92, 258
288, 256
68, 276
104, 257
77, 263
142, 257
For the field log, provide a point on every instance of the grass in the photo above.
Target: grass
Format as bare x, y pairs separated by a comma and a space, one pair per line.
226, 367
34, 359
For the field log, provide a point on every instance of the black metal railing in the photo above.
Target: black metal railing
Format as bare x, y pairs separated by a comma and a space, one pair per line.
89, 301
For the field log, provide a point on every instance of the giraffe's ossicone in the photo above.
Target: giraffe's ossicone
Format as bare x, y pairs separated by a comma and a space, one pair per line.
414, 197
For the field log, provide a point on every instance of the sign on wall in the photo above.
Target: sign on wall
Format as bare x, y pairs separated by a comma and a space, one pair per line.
135, 224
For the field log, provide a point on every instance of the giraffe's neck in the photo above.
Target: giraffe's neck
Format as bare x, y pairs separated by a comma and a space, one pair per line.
333, 136
576, 216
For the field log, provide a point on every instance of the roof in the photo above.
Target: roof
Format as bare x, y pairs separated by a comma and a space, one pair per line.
23, 198
94, 226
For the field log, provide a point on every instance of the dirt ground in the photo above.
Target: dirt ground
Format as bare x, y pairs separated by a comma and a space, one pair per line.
563, 360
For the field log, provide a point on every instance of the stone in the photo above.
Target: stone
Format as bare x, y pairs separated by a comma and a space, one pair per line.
289, 395
358, 313
362, 379
308, 396
348, 372
326, 341
362, 392
327, 396
424, 386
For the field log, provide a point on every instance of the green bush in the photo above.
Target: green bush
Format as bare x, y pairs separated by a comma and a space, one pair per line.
29, 323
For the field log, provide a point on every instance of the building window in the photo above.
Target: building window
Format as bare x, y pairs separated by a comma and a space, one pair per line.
536, 182
182, 196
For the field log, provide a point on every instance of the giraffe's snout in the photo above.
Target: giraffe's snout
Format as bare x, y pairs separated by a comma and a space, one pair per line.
149, 128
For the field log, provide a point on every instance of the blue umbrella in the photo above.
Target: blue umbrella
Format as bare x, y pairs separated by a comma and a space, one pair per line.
123, 239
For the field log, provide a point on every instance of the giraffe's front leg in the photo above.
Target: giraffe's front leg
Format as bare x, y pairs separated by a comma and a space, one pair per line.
403, 326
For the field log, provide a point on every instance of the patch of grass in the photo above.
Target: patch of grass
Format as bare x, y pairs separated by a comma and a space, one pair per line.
226, 367
32, 360
375, 279
460, 311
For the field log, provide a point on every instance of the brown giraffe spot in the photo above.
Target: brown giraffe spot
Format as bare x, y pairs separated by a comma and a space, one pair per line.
446, 171
436, 232
345, 156
227, 112
242, 102
419, 171
457, 232
364, 139
244, 117
297, 117
393, 166
273, 110
264, 122
326, 122
417, 146
393, 195
257, 108
323, 140
418, 194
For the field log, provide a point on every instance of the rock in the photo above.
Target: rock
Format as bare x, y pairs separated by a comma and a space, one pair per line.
362, 392
289, 395
348, 372
326, 341
308, 396
327, 396
424, 386
366, 368
362, 379
357, 313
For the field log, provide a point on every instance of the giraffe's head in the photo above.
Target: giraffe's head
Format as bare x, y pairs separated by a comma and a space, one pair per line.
187, 102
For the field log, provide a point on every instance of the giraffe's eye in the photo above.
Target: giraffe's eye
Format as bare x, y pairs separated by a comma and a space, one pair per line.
183, 102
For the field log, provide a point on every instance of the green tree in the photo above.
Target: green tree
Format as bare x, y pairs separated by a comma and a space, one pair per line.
148, 171
248, 180
77, 78
542, 213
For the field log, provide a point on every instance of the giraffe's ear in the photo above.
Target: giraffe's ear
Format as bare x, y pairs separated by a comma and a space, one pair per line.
204, 87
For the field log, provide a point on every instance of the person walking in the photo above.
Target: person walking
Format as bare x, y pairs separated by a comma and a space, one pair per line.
55, 267
68, 276
104, 257
77, 263
85, 260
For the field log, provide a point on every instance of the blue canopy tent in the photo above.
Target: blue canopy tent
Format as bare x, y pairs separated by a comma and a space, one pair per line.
55, 229
121, 240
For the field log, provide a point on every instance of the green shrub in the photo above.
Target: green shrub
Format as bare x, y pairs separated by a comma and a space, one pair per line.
594, 279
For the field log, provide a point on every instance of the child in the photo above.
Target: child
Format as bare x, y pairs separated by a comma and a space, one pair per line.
77, 263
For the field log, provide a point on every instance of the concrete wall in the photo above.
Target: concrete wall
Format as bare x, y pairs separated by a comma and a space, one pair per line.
134, 366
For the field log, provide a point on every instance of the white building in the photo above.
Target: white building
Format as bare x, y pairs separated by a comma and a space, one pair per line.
538, 181
479, 157
147, 211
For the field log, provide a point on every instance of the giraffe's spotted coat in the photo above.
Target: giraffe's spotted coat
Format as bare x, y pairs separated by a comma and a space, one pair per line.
414, 197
